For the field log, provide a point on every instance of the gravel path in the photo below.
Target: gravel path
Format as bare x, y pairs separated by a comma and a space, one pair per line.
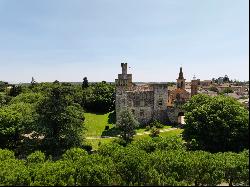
138, 134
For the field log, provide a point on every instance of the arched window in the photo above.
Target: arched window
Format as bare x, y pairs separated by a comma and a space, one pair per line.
181, 117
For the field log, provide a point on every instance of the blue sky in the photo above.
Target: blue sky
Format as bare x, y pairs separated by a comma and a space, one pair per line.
69, 39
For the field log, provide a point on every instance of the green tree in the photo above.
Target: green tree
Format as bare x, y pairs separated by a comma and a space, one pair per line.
168, 167
96, 170
15, 121
60, 120
85, 83
99, 97
154, 132
58, 173
2, 86
13, 172
30, 97
216, 123
157, 124
127, 124
227, 90
74, 154
235, 167
203, 168
4, 99
225, 79
15, 90
214, 89
130, 164
36, 157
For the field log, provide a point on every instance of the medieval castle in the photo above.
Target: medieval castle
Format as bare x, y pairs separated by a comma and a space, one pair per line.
152, 101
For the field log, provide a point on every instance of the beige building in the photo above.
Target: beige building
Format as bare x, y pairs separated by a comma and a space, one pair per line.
147, 102
155, 101
206, 83
178, 95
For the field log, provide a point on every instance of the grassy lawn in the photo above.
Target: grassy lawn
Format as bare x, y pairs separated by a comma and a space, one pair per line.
95, 142
171, 133
162, 134
144, 130
95, 123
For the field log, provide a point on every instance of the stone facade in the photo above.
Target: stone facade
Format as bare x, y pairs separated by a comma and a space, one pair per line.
194, 87
145, 101
149, 102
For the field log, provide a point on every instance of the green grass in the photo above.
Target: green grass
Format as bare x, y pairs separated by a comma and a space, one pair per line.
144, 129
162, 134
94, 142
171, 133
95, 123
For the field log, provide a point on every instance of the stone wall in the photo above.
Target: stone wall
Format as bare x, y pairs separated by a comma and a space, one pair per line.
146, 105
160, 102
147, 102
173, 113
141, 104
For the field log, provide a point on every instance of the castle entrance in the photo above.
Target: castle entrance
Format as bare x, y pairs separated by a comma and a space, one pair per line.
181, 118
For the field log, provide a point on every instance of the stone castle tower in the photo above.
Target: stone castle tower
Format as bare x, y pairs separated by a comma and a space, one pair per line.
122, 84
147, 102
181, 80
124, 80
194, 86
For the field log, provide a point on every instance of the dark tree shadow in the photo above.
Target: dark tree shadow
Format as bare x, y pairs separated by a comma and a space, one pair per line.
114, 131
94, 112
112, 118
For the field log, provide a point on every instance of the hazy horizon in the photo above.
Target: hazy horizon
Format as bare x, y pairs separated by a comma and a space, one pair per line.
68, 40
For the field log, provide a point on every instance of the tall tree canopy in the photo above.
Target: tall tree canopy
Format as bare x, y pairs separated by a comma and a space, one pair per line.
60, 119
15, 121
216, 123
127, 124
85, 83
100, 97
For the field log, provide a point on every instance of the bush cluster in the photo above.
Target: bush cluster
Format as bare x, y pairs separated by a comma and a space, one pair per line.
158, 161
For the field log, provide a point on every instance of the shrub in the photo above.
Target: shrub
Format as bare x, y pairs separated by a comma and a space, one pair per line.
157, 124
155, 132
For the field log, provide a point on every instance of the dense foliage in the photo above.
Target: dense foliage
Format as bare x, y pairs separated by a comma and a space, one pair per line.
214, 89
49, 116
20, 120
127, 125
4, 99
99, 97
227, 90
157, 161
15, 120
60, 120
216, 124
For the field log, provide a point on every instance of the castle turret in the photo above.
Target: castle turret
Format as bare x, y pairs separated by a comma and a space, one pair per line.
124, 68
194, 86
181, 80
123, 84
124, 79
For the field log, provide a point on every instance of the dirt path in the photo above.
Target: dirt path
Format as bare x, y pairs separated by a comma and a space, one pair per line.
138, 134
